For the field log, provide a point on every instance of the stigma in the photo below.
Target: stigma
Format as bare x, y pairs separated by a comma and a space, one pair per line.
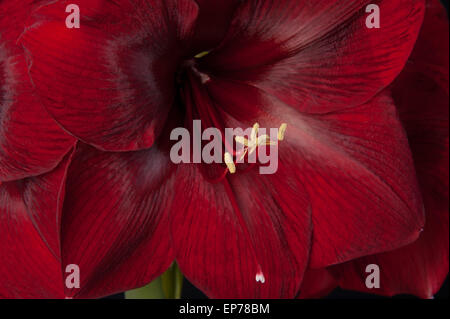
260, 277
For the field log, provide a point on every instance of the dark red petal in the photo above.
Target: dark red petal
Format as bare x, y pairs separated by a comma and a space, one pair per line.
213, 22
421, 93
317, 56
225, 233
29, 225
31, 143
355, 164
111, 82
422, 96
318, 283
419, 269
115, 223
430, 55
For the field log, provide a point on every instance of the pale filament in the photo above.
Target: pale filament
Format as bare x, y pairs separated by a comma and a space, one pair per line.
251, 145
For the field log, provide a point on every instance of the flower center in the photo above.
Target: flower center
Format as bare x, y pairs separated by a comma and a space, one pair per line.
192, 66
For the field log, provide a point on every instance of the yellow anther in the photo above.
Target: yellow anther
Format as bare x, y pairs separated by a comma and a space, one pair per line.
255, 141
282, 131
260, 141
230, 164
251, 145
254, 134
201, 55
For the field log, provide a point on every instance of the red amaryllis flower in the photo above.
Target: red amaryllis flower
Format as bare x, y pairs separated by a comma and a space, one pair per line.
120, 209
421, 93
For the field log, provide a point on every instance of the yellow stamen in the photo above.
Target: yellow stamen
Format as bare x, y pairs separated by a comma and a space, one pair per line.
265, 140
254, 134
230, 164
282, 131
241, 140
202, 54
250, 146
243, 154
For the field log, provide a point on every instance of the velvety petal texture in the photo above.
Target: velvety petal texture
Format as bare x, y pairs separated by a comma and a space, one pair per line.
355, 165
318, 283
317, 56
353, 170
421, 93
115, 224
212, 23
30, 216
31, 143
110, 83
245, 237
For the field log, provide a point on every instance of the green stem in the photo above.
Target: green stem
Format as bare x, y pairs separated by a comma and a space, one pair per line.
172, 282
151, 291
168, 286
